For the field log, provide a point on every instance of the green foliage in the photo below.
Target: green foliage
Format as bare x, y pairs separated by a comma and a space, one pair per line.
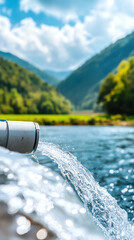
84, 81
117, 91
23, 92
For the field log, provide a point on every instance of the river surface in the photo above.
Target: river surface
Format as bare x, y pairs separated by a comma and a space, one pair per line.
79, 185
108, 152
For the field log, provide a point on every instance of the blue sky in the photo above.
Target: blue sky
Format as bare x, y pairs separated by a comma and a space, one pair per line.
61, 35
17, 15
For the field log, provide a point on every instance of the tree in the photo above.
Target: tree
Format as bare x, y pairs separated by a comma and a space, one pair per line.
47, 107
17, 102
117, 90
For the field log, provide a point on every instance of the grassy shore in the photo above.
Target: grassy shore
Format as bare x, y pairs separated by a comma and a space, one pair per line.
90, 119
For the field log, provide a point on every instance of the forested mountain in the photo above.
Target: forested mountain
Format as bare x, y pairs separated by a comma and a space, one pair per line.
82, 86
41, 74
23, 92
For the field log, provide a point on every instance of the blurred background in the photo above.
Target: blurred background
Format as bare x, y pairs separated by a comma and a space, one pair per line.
60, 57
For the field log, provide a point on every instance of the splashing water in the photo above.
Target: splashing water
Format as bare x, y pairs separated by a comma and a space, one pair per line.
106, 213
34, 197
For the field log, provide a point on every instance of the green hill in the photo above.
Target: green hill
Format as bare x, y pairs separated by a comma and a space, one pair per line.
23, 92
41, 74
82, 86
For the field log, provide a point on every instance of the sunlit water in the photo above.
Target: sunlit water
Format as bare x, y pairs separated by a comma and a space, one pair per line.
106, 213
107, 152
40, 192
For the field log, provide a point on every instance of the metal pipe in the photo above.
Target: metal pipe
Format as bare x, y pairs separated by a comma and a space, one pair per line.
19, 136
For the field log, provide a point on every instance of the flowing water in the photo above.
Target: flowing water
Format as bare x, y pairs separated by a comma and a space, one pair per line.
39, 192
107, 214
107, 152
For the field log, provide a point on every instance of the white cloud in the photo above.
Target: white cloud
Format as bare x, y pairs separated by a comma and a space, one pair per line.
66, 10
2, 1
126, 6
73, 9
45, 46
65, 48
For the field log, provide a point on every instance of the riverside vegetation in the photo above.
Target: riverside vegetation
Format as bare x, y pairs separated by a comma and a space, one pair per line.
117, 90
92, 119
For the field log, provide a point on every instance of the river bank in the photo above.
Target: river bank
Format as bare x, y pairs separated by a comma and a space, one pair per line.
71, 119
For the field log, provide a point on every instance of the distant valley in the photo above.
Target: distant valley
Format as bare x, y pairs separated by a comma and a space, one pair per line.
59, 75
82, 85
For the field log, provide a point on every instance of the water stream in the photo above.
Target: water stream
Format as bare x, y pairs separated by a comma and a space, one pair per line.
106, 212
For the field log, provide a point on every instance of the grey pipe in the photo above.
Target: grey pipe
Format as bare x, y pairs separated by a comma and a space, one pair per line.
18, 136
